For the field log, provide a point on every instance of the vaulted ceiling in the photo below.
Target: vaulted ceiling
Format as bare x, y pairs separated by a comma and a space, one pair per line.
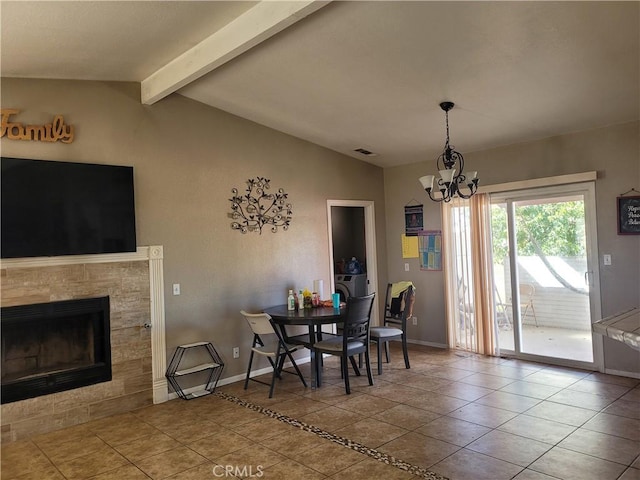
354, 74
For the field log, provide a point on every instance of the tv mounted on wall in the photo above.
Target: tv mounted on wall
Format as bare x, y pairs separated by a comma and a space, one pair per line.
61, 208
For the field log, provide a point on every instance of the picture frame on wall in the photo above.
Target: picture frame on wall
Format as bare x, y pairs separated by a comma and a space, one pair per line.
628, 215
413, 219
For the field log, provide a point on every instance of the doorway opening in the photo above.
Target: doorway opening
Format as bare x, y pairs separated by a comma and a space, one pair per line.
352, 229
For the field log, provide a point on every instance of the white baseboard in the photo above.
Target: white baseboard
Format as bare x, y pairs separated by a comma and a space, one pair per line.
160, 392
428, 344
621, 373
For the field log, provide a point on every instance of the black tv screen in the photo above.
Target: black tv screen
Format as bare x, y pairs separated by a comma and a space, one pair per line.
61, 208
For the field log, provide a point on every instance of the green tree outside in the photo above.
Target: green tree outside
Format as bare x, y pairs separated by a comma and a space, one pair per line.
551, 229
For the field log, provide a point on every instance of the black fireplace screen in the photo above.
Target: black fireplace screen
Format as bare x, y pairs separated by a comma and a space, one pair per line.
56, 346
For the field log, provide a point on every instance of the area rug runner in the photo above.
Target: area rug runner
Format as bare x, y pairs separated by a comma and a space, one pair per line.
358, 447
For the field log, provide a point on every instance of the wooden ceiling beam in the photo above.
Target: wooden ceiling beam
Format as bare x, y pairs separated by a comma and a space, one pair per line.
245, 32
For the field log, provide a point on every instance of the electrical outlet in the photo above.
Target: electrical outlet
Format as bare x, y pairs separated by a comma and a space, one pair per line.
176, 289
415, 320
236, 352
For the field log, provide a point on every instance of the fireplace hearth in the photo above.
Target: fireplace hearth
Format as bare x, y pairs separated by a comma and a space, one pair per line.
53, 347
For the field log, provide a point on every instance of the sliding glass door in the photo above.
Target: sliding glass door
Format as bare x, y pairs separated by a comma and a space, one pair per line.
545, 273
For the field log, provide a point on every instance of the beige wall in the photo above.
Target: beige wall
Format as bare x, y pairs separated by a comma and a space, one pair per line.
613, 152
187, 157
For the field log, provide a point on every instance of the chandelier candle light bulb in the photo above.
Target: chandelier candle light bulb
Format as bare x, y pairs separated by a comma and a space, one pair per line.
446, 176
427, 182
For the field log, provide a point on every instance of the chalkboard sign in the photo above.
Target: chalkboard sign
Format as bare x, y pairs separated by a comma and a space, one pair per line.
629, 215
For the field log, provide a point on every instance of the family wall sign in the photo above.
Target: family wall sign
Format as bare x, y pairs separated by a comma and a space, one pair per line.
55, 131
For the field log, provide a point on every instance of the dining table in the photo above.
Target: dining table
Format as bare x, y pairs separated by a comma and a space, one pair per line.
313, 318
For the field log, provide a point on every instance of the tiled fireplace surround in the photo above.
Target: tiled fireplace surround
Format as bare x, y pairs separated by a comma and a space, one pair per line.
134, 284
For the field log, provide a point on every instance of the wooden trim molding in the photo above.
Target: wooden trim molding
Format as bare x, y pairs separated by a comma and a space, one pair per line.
539, 182
158, 336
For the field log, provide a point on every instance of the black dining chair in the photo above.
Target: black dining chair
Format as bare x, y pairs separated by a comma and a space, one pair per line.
397, 311
354, 339
268, 342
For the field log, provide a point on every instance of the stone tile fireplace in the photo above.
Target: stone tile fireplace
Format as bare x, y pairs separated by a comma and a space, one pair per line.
53, 347
131, 284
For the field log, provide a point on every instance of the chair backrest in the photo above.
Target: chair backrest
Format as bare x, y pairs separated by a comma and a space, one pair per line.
526, 292
357, 317
393, 306
408, 297
260, 323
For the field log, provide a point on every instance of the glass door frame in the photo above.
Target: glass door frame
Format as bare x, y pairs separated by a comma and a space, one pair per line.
587, 190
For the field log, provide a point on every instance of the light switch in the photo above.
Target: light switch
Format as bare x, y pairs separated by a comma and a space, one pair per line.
406, 267
176, 289
606, 259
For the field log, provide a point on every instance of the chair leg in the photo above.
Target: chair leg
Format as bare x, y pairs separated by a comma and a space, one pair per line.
318, 335
386, 351
276, 367
280, 365
246, 380
277, 363
295, 365
345, 369
355, 366
405, 351
317, 370
273, 380
379, 350
535, 318
368, 364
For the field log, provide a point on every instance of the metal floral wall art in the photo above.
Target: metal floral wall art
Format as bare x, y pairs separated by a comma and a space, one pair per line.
257, 207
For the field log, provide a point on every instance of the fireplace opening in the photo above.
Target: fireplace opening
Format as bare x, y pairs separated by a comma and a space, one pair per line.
52, 347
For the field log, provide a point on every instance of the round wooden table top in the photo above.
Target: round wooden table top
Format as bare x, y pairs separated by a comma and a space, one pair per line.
304, 316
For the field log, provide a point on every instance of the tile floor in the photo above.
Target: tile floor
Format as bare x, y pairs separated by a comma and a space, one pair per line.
460, 416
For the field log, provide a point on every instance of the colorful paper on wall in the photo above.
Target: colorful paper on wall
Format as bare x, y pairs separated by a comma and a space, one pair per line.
430, 249
409, 247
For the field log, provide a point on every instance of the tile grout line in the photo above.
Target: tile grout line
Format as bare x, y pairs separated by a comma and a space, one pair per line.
358, 447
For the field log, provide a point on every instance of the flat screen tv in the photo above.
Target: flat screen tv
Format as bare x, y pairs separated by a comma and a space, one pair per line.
60, 208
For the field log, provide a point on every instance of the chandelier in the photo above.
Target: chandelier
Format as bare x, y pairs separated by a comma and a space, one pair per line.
449, 162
